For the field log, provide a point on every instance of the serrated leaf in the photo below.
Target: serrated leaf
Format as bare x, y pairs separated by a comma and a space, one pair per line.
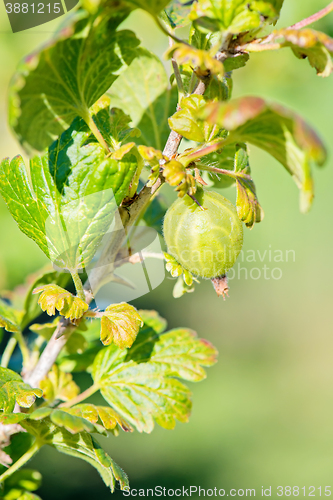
53, 298
143, 92
120, 324
305, 43
58, 385
102, 415
76, 192
140, 384
185, 121
81, 445
235, 16
277, 130
31, 307
202, 61
183, 354
82, 62
141, 393
153, 320
14, 390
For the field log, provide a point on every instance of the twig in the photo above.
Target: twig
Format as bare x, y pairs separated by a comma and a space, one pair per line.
126, 218
315, 17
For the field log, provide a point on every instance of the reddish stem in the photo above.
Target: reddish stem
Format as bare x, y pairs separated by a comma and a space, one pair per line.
315, 17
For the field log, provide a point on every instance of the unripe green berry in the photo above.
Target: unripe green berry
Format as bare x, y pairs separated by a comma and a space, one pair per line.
205, 242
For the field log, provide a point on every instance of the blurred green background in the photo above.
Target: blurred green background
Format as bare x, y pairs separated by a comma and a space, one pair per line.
264, 415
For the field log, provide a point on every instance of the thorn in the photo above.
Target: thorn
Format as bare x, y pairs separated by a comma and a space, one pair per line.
196, 201
198, 177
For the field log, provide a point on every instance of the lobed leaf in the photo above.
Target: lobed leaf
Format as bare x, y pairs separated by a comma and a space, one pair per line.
202, 61
53, 298
277, 130
120, 324
81, 445
153, 320
235, 16
76, 190
14, 390
140, 384
58, 386
66, 77
307, 43
185, 121
148, 99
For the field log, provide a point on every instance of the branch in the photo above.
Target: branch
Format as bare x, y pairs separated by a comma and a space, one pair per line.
315, 17
125, 218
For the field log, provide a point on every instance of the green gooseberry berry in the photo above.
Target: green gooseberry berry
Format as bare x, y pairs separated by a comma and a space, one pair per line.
206, 240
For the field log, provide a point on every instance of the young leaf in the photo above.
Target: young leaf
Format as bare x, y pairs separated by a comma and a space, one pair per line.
81, 445
305, 43
277, 130
101, 415
185, 121
14, 390
31, 307
120, 324
96, 55
202, 61
53, 298
235, 16
58, 385
143, 92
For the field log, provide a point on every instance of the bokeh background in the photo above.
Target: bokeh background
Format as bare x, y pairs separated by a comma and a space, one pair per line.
264, 415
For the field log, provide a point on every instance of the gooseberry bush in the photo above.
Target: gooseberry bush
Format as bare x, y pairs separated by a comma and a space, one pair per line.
105, 128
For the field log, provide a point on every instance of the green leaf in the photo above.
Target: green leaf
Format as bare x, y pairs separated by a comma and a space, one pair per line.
305, 43
177, 13
101, 415
223, 159
14, 390
140, 384
277, 130
153, 320
186, 123
53, 298
235, 16
182, 354
10, 319
58, 385
65, 78
143, 92
76, 192
120, 324
141, 393
81, 445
